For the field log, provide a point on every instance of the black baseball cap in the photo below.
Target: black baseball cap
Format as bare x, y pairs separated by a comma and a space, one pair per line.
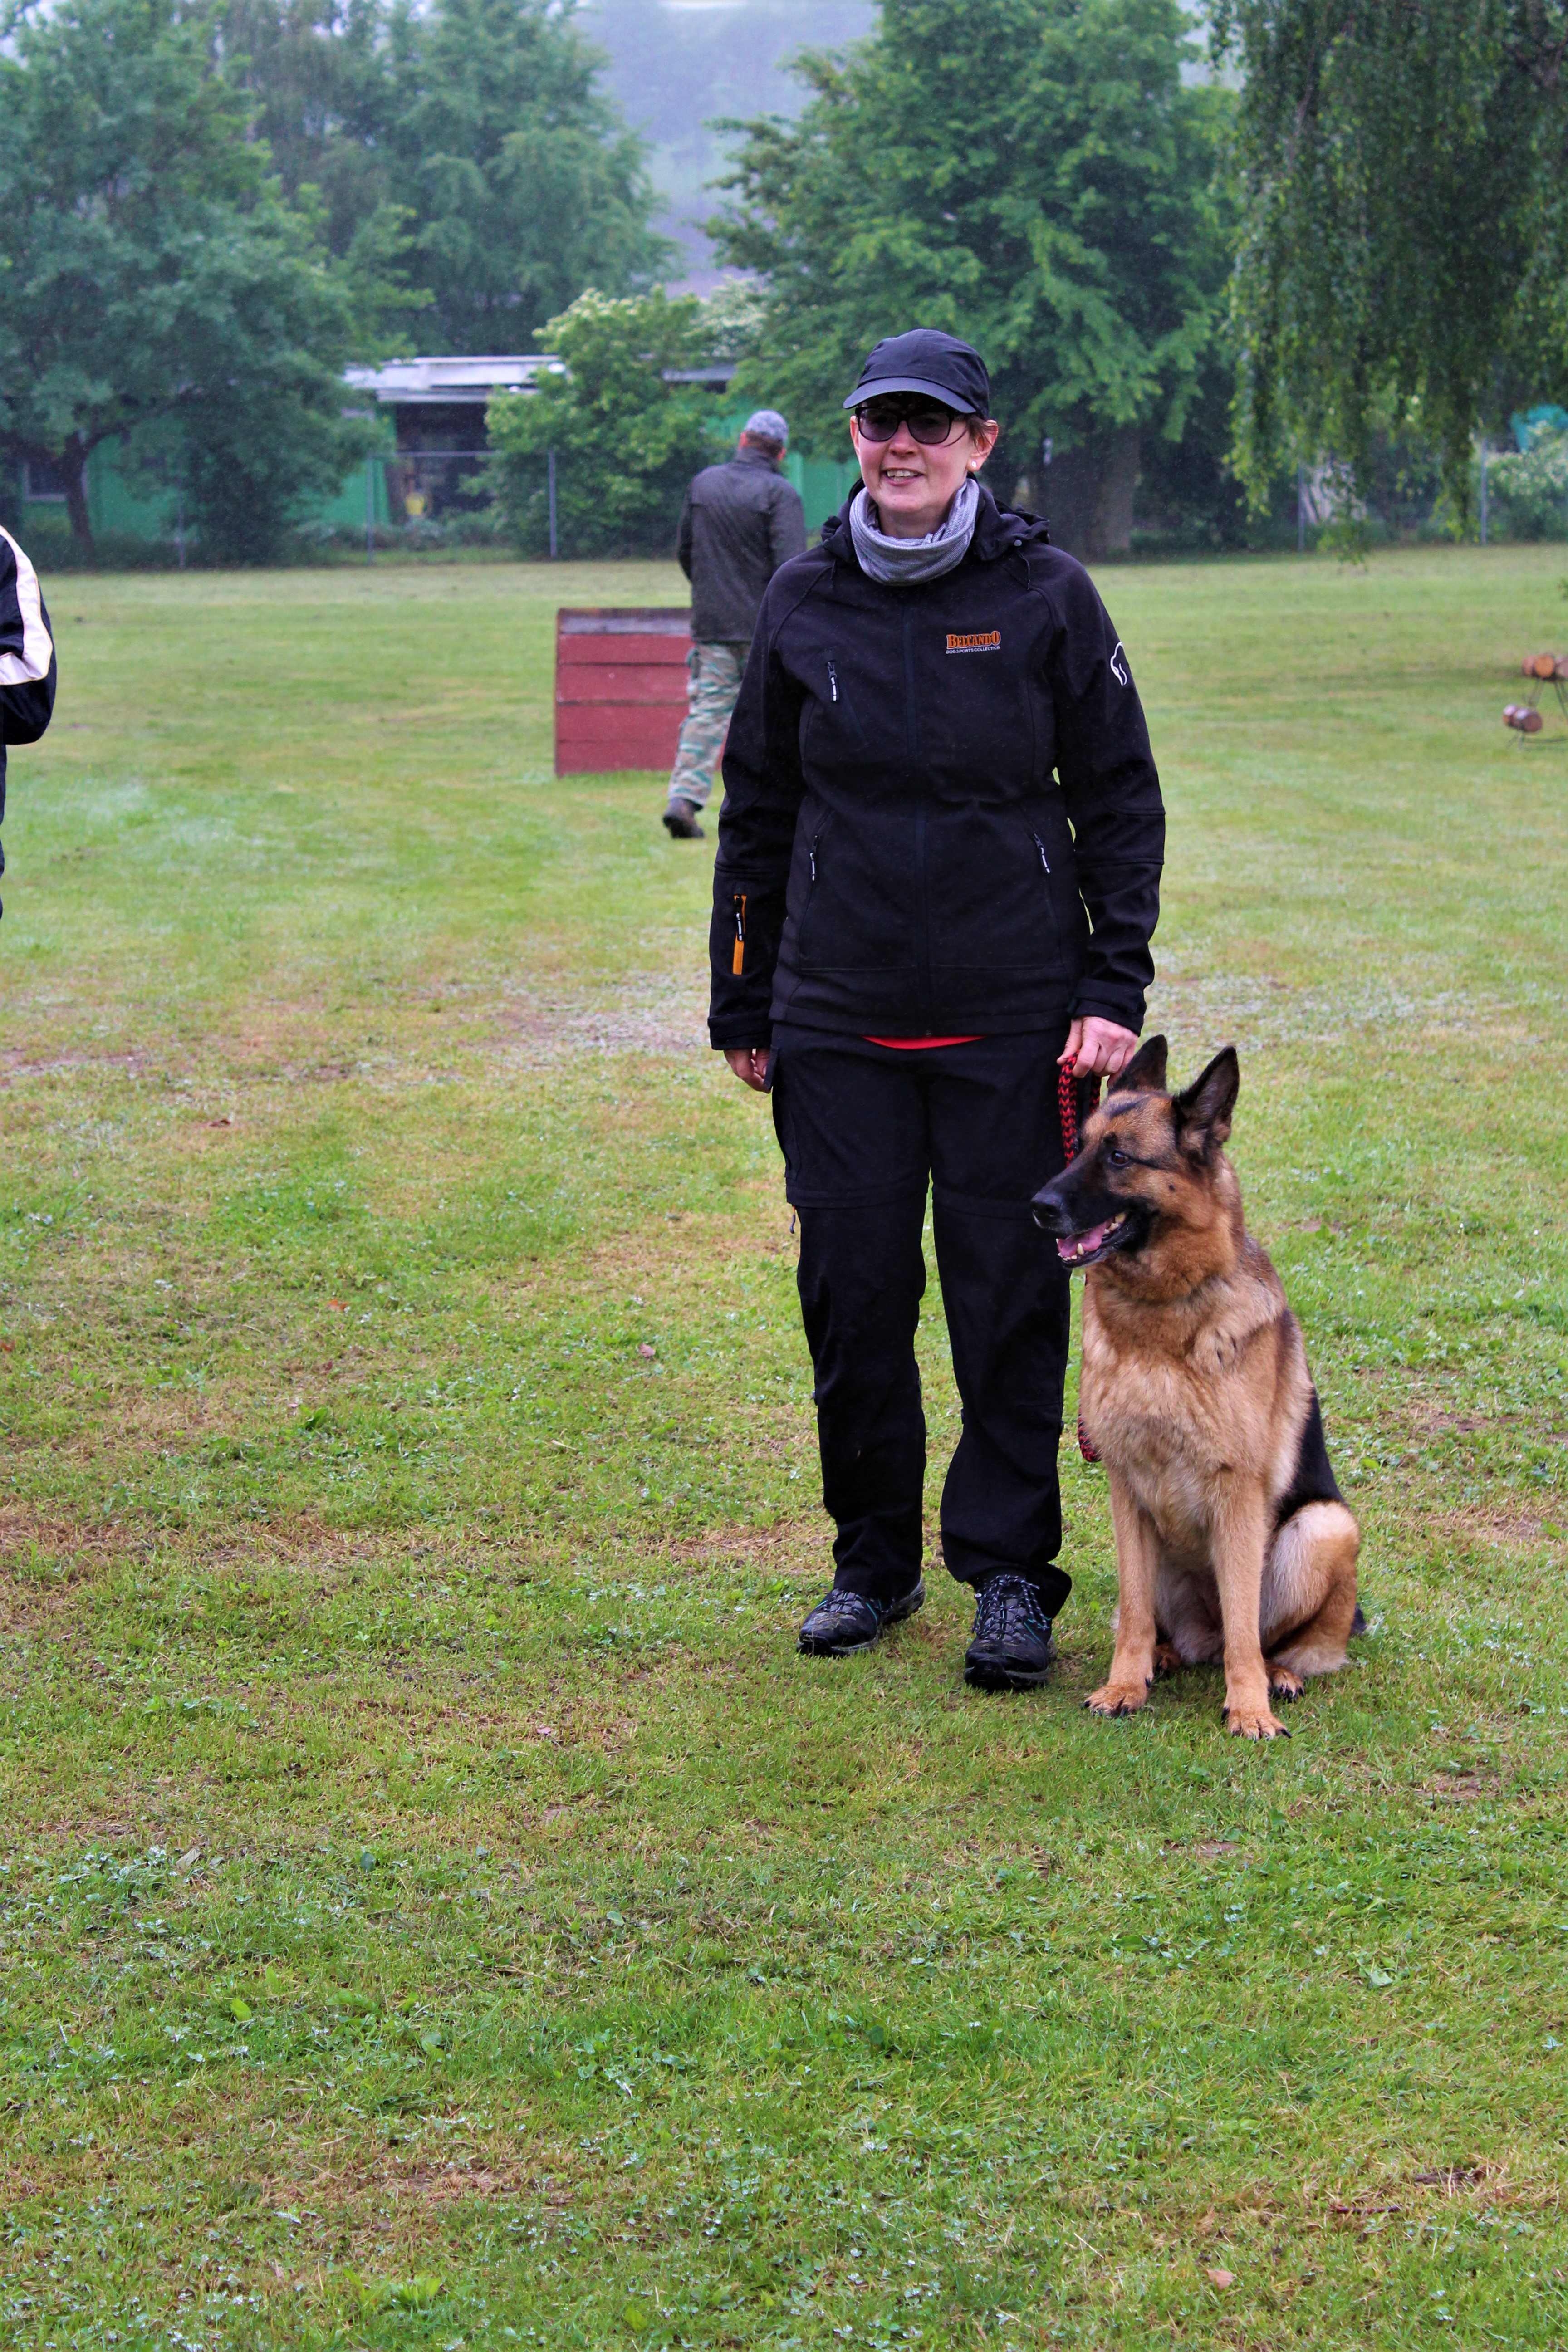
929, 361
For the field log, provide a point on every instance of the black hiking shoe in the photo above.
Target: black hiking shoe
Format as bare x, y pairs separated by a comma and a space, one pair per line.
679, 822
1011, 1648
842, 1623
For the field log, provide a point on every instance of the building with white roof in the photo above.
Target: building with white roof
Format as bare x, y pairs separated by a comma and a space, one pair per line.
439, 403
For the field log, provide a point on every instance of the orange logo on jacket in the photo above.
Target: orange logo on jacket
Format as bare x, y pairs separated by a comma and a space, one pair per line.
989, 643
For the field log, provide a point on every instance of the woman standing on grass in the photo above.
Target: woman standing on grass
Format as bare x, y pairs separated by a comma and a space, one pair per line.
937, 880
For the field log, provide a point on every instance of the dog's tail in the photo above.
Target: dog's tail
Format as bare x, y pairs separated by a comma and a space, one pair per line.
1358, 1623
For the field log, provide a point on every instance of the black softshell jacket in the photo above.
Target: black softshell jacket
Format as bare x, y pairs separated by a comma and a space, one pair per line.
27, 670
738, 523
941, 812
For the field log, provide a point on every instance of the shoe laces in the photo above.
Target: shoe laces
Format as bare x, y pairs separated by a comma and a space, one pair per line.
1006, 1602
836, 1602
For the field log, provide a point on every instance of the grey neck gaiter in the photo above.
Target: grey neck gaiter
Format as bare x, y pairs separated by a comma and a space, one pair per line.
900, 563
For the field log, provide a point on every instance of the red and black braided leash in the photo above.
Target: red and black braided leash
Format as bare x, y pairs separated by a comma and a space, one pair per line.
1068, 1085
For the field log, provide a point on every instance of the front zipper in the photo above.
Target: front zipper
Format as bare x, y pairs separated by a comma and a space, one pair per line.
832, 682
912, 750
1040, 845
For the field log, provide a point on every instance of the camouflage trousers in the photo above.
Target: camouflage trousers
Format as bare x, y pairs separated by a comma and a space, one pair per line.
714, 680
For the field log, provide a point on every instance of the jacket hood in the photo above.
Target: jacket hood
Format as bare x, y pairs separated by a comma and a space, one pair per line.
997, 530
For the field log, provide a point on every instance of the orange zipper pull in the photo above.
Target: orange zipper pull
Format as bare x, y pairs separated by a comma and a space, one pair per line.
738, 964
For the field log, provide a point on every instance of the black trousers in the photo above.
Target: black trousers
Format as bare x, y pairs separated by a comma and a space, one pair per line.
863, 1130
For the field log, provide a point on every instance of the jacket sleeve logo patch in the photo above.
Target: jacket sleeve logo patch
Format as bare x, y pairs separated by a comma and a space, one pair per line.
1119, 665
989, 642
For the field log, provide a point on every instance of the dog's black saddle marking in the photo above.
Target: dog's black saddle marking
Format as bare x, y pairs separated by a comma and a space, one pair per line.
1313, 1480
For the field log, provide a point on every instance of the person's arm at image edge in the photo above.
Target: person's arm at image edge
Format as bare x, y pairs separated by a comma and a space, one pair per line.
27, 669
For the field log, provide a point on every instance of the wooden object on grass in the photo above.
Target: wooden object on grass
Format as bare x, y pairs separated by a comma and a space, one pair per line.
620, 687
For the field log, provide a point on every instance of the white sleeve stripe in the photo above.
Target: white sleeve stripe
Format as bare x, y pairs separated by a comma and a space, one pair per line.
33, 662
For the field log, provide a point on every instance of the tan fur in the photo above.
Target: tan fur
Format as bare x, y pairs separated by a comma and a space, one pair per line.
1196, 1391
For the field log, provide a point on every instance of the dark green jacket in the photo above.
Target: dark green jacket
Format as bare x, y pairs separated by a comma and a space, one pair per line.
739, 521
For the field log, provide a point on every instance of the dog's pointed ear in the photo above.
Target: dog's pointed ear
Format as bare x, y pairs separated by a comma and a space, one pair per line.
1145, 1072
1202, 1111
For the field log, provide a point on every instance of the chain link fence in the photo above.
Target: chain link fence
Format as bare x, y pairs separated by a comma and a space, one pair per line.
413, 501
425, 500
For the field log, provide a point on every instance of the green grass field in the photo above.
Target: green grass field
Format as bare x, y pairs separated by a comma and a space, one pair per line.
438, 1906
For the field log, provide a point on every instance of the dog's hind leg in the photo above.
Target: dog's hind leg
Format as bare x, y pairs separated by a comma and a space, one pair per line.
1308, 1596
1126, 1688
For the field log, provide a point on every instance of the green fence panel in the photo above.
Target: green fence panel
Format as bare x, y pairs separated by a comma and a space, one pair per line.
823, 484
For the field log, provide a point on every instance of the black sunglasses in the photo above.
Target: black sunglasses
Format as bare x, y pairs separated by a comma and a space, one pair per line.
930, 424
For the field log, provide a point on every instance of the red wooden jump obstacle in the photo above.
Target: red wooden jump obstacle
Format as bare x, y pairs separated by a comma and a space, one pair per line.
620, 687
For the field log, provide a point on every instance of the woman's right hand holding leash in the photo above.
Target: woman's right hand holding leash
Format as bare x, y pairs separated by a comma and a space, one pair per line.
1096, 1045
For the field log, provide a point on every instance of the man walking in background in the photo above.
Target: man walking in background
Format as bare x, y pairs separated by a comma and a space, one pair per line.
739, 523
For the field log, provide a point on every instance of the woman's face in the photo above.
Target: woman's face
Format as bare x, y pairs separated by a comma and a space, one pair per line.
912, 483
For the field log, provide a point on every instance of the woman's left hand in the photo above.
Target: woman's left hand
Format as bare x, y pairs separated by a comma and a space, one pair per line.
750, 1063
1095, 1044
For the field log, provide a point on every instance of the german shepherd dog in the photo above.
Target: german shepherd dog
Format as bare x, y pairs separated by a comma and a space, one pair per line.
1232, 1538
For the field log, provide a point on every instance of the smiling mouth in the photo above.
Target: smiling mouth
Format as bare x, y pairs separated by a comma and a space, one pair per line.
1097, 1241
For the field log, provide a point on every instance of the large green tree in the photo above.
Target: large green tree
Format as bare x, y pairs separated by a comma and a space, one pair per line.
153, 280
318, 77
524, 184
1034, 174
479, 128
1405, 170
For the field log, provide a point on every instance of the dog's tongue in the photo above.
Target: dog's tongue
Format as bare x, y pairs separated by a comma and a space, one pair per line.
1080, 1244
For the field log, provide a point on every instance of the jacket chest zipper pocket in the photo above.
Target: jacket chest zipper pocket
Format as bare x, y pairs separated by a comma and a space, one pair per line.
837, 707
1052, 916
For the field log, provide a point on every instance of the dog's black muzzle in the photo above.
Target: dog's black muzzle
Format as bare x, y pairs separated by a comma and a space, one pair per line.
1051, 1212
1088, 1224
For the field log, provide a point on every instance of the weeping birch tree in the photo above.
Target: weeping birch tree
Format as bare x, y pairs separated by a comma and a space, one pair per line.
1402, 267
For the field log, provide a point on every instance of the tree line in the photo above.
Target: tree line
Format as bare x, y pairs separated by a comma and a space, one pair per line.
1321, 228
209, 207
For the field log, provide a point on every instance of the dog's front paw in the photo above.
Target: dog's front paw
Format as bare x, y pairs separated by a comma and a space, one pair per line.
1253, 1720
1284, 1683
1118, 1697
